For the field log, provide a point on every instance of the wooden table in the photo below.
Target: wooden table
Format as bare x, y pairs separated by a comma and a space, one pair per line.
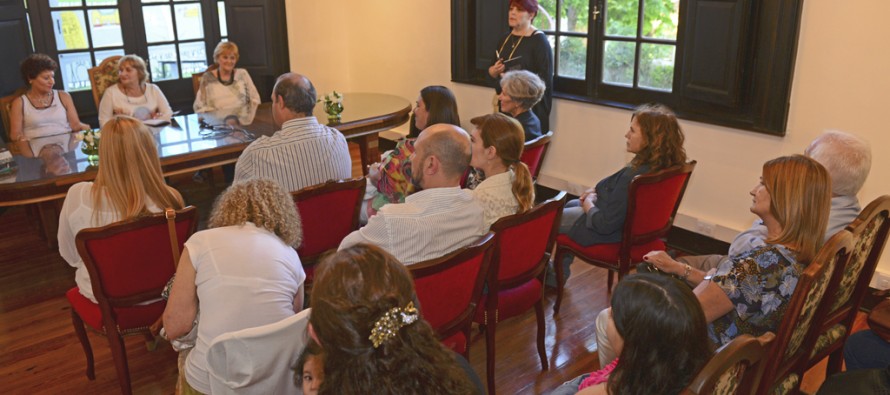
184, 148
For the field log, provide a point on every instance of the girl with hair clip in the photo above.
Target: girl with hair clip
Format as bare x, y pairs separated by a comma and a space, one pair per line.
661, 336
390, 180
129, 184
656, 140
497, 144
242, 272
365, 318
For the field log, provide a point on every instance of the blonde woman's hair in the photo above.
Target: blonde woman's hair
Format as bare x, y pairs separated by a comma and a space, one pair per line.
800, 200
130, 175
137, 63
506, 135
225, 46
261, 202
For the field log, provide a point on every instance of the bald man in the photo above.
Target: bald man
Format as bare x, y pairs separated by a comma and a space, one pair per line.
303, 152
439, 218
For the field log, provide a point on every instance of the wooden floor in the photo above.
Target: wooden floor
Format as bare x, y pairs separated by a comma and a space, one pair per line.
39, 352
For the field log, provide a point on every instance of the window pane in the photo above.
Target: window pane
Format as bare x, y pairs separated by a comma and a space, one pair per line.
105, 28
70, 30
618, 62
193, 57
163, 63
101, 2
660, 18
158, 23
101, 55
73, 69
621, 18
546, 18
572, 57
189, 24
657, 66
154, 1
223, 27
573, 16
65, 3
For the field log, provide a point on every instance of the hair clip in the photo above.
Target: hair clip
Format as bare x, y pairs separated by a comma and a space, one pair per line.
387, 327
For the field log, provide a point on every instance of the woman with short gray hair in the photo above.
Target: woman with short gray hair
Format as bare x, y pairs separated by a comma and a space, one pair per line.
520, 91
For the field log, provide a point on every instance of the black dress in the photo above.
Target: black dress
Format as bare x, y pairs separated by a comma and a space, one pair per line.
535, 55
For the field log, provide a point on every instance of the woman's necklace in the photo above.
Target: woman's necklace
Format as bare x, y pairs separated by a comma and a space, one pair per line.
43, 101
515, 45
226, 82
141, 92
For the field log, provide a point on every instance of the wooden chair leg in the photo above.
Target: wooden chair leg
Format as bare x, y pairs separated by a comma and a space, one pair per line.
81, 333
119, 355
489, 351
467, 332
609, 284
539, 312
835, 361
557, 265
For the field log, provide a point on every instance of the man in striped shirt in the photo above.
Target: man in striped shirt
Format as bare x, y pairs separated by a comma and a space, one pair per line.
303, 153
436, 220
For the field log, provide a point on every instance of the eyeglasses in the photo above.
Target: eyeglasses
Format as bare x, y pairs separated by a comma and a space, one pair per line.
219, 131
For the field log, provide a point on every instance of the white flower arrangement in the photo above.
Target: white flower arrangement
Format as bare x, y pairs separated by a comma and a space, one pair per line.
90, 140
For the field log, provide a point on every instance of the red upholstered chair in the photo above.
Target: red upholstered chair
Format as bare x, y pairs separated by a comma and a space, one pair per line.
448, 289
788, 357
734, 369
652, 202
870, 231
515, 282
533, 154
129, 263
328, 212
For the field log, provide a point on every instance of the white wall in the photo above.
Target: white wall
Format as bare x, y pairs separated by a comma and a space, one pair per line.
841, 81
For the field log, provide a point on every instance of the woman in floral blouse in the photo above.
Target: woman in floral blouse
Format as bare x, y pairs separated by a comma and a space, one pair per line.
227, 92
749, 292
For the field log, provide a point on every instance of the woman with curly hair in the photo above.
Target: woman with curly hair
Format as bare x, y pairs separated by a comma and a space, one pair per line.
365, 319
129, 184
597, 216
240, 273
42, 117
659, 330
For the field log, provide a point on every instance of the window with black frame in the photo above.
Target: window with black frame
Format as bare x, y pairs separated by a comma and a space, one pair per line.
725, 62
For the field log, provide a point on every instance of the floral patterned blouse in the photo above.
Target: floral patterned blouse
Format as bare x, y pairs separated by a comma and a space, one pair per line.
219, 100
395, 176
759, 283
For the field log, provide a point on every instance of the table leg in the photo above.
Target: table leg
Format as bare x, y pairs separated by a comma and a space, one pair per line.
49, 221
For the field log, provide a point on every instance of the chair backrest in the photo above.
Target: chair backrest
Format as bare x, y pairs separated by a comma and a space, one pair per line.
797, 332
523, 243
870, 231
734, 369
130, 262
5, 107
449, 287
196, 78
328, 212
258, 360
103, 76
534, 151
652, 203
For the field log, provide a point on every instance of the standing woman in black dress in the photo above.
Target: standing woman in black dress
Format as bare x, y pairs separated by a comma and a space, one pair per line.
526, 48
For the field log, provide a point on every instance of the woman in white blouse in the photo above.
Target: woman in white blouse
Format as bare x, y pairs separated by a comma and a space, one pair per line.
497, 144
129, 184
242, 272
226, 91
133, 95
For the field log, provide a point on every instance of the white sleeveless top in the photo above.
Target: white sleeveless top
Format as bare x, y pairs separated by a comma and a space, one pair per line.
45, 126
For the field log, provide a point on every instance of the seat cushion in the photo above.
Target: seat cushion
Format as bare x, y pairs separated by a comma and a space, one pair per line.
127, 317
512, 302
609, 252
456, 342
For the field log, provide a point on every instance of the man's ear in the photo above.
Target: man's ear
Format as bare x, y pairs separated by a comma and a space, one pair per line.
433, 166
